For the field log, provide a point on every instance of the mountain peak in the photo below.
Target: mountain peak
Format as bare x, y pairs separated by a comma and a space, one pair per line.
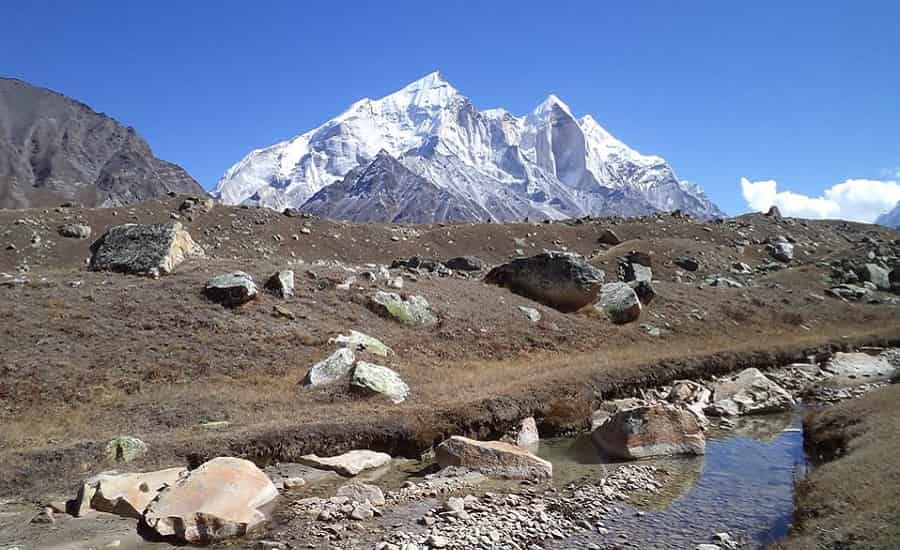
432, 90
548, 104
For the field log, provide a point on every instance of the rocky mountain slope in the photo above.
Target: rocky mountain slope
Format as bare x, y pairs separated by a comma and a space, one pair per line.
488, 165
54, 149
890, 219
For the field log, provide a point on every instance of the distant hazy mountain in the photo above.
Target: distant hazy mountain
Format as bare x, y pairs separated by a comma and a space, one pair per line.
890, 219
54, 149
470, 165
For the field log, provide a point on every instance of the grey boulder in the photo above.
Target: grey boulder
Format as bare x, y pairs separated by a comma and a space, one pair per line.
375, 379
331, 369
231, 289
281, 283
143, 249
561, 280
748, 392
413, 310
620, 303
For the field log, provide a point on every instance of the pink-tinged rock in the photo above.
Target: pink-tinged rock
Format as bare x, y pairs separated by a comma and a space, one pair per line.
652, 430
224, 497
124, 494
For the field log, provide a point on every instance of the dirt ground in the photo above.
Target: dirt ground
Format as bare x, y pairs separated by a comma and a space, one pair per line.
852, 500
87, 356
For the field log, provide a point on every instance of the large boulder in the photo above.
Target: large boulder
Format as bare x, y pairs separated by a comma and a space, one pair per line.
561, 280
348, 464
126, 495
331, 369
465, 263
231, 289
492, 458
659, 429
143, 249
875, 274
620, 303
413, 310
748, 392
372, 378
358, 341
224, 497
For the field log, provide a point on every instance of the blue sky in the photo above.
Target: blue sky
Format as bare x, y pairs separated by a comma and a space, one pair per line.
805, 93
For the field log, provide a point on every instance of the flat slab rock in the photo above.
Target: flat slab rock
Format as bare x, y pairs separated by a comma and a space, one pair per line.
124, 494
492, 458
350, 464
748, 392
859, 367
222, 498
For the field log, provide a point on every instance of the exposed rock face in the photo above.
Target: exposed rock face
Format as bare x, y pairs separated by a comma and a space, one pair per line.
54, 149
123, 494
620, 303
560, 280
358, 341
150, 250
331, 369
465, 263
281, 283
231, 289
381, 380
350, 463
875, 274
414, 310
75, 231
492, 458
125, 449
222, 498
748, 392
652, 430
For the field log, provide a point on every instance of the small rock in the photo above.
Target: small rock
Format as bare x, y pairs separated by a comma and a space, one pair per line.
231, 289
281, 283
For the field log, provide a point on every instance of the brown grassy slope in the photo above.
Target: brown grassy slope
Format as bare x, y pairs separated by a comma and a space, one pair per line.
852, 501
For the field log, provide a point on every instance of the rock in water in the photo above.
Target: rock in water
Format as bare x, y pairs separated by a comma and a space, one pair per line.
331, 369
465, 263
857, 368
231, 289
561, 280
362, 492
124, 494
281, 283
492, 458
222, 498
414, 310
382, 380
620, 303
348, 464
125, 449
139, 249
652, 430
748, 392
358, 341
75, 231
524, 435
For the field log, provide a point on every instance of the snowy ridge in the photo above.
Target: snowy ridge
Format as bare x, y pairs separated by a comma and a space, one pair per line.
891, 218
488, 165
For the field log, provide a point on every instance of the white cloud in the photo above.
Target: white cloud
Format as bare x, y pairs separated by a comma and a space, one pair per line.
854, 200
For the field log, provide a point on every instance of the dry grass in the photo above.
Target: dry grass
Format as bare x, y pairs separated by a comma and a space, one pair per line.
853, 501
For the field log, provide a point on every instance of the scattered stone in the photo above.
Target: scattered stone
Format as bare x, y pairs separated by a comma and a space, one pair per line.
492, 458
45, 516
348, 464
125, 449
561, 280
782, 251
658, 429
75, 231
125, 495
231, 289
608, 237
465, 263
330, 370
221, 498
848, 292
413, 311
381, 380
644, 291
877, 275
748, 392
281, 283
620, 303
687, 263
532, 314
358, 341
281, 311
150, 250
362, 492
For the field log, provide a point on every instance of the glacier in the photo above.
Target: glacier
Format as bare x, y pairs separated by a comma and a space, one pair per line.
426, 154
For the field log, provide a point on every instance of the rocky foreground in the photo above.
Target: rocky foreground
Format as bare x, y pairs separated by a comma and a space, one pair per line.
184, 334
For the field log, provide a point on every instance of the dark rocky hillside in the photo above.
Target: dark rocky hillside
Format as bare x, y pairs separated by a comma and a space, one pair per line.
54, 149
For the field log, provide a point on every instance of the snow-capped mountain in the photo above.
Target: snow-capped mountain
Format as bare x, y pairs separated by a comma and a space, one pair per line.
891, 218
426, 154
